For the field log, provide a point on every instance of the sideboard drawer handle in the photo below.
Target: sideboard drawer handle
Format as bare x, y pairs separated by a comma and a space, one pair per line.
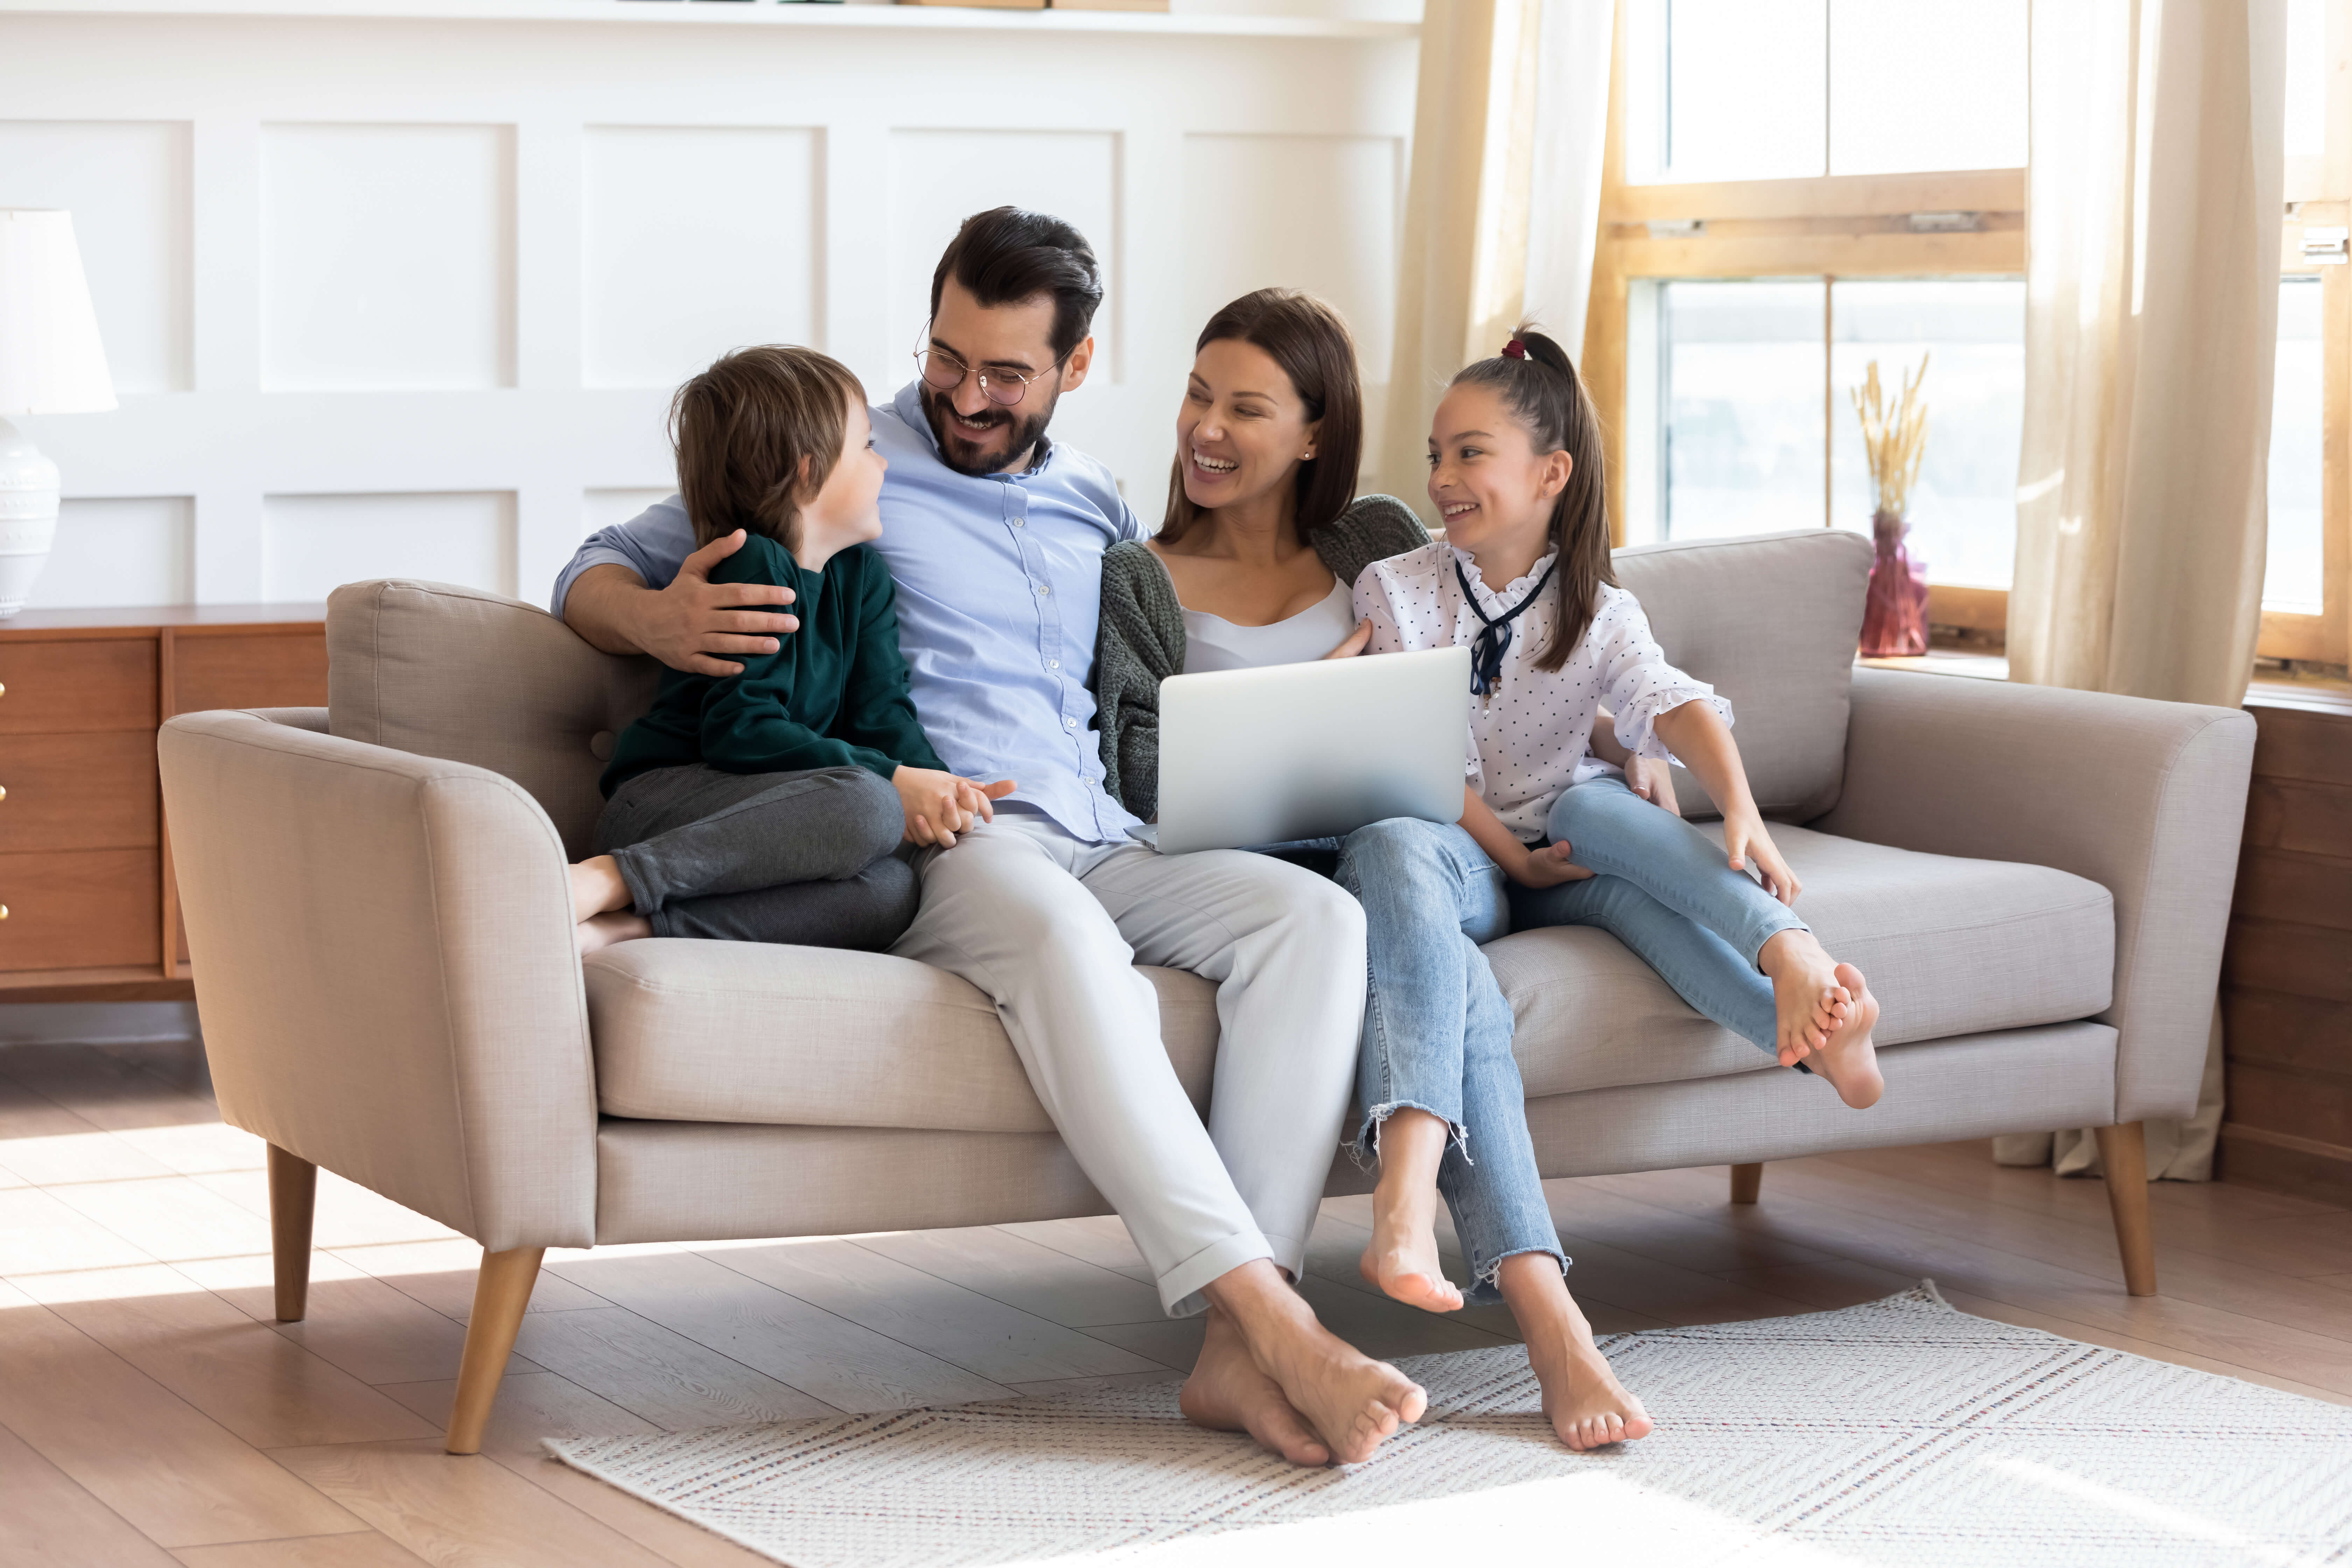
3, 911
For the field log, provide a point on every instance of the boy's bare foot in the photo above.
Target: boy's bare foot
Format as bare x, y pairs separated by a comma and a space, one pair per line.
597, 887
602, 930
1586, 1404
1228, 1393
1850, 1060
1353, 1403
1806, 996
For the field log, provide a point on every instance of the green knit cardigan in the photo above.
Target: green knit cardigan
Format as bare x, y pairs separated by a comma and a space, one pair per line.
1142, 642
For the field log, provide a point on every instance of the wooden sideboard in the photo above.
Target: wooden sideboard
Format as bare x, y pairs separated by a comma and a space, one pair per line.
85, 877
2286, 979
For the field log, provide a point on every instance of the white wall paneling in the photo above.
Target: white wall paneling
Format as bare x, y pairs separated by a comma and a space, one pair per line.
409, 296
127, 184
312, 543
124, 551
387, 257
698, 240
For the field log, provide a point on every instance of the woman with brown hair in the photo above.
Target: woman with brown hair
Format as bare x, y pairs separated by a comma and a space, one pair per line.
1265, 536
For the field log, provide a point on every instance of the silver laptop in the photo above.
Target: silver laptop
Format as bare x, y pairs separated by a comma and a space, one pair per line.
1311, 750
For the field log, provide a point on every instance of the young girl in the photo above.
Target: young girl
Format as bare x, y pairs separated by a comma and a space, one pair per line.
767, 805
1523, 579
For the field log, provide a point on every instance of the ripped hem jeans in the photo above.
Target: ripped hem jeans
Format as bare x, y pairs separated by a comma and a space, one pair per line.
1437, 1032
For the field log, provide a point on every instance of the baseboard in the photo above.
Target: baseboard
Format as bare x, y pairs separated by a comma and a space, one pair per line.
94, 1023
2305, 1166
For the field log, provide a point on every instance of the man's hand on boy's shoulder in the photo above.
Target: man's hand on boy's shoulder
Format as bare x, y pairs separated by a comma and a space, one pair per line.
695, 625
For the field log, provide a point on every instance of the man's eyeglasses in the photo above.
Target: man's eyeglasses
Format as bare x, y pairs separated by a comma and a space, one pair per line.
942, 372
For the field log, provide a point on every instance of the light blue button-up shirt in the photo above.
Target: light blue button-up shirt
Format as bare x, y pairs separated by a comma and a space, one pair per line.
999, 590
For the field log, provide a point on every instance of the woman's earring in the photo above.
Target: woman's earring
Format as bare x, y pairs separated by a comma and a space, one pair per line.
1308, 455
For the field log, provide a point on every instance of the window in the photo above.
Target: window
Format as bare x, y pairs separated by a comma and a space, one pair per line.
1798, 187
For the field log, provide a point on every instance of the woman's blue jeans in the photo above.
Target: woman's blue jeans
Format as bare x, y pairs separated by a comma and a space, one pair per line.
1666, 892
1437, 1032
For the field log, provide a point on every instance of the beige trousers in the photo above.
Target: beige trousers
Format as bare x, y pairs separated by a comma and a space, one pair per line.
1051, 929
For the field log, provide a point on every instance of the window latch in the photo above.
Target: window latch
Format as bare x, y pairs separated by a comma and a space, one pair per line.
2325, 246
1946, 223
1676, 227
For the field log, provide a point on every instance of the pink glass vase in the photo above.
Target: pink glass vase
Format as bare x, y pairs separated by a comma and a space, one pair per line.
1894, 617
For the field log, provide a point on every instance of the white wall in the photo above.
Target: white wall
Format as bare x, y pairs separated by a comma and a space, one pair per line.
408, 295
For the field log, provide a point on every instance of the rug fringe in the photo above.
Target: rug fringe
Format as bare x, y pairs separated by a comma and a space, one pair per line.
1935, 1296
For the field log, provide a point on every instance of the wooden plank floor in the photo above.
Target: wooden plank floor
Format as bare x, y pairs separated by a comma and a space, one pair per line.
151, 1412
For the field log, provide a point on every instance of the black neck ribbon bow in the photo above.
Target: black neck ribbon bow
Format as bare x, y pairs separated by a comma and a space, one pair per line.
1495, 640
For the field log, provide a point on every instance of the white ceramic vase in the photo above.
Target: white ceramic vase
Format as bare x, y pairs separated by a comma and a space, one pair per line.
28, 516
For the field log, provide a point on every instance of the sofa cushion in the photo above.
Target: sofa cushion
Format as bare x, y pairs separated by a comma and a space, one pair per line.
1771, 623
730, 1031
442, 671
1950, 947
741, 1032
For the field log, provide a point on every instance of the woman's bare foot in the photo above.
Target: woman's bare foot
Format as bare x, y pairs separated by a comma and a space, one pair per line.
597, 887
1806, 994
602, 930
1850, 1060
1353, 1403
1402, 1258
1586, 1404
1228, 1393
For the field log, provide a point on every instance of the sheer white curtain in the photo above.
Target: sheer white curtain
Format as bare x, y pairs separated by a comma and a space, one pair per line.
2154, 187
1504, 199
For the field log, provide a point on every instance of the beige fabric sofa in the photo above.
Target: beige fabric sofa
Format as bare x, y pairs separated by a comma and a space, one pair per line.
2036, 882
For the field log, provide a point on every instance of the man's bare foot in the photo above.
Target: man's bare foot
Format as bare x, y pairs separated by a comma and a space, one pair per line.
1227, 1392
1586, 1404
597, 887
1806, 996
1353, 1403
604, 930
1850, 1060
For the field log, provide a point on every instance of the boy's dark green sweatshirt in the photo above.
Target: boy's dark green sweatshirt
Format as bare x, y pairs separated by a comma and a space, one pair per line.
833, 694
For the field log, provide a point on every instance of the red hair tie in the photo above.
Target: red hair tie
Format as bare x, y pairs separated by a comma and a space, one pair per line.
1515, 349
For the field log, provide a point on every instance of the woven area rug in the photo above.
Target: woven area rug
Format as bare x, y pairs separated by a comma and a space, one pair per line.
1899, 1432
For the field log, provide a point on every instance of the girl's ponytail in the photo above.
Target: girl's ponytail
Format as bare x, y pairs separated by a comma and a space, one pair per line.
1538, 384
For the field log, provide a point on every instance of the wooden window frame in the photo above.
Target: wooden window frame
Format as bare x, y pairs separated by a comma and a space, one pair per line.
1858, 226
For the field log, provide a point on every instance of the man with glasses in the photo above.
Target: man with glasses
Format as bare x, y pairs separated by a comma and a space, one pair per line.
996, 535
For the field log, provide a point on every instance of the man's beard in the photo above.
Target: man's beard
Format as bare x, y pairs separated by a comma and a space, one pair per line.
957, 448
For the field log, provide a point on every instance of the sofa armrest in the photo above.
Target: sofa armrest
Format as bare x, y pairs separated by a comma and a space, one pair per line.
385, 972
2148, 799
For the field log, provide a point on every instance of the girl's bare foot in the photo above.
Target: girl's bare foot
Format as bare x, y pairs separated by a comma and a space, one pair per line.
602, 930
1806, 994
1353, 1403
1586, 1404
1850, 1060
1228, 1393
1402, 1258
597, 887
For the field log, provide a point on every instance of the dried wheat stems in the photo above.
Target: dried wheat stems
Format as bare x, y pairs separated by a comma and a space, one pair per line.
1893, 442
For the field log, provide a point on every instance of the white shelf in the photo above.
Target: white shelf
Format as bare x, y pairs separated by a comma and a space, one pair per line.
739, 14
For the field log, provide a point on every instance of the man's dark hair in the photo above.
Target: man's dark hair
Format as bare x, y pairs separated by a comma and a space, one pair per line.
1006, 255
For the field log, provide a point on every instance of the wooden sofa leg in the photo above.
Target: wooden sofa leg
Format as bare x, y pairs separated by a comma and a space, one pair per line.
1746, 1182
293, 1195
501, 1291
2123, 1156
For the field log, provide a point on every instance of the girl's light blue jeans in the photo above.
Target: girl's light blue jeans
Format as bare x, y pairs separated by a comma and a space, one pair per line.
1437, 1031
1666, 891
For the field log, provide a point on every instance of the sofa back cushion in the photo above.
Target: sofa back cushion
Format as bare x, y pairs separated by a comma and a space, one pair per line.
445, 671
1771, 623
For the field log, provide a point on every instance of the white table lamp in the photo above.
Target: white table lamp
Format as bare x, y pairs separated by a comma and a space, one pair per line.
51, 362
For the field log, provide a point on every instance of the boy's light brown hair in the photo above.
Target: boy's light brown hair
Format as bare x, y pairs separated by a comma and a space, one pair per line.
756, 436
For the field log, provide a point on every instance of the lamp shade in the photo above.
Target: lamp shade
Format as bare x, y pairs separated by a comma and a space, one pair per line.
51, 360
